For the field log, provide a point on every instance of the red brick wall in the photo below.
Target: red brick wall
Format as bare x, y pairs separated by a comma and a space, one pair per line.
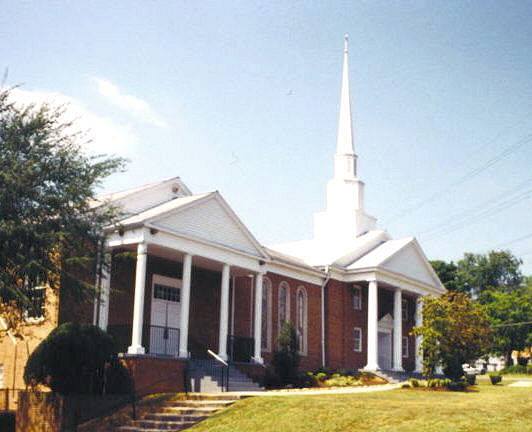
244, 315
204, 321
342, 318
156, 375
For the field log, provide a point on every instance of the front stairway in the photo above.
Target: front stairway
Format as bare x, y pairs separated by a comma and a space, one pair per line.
209, 376
177, 415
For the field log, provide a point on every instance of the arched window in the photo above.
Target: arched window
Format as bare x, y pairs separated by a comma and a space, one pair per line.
283, 305
266, 332
301, 319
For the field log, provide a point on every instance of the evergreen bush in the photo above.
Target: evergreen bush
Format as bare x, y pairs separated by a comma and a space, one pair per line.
73, 359
286, 358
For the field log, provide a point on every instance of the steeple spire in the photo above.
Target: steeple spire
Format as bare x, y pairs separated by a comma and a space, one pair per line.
345, 158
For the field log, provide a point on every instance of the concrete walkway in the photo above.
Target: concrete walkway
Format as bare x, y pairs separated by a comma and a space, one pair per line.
319, 391
521, 383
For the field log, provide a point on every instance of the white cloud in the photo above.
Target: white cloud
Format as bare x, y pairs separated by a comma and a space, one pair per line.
133, 105
106, 136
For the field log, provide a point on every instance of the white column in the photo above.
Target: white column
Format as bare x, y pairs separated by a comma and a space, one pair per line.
138, 307
373, 330
224, 312
397, 331
419, 321
185, 306
257, 333
105, 288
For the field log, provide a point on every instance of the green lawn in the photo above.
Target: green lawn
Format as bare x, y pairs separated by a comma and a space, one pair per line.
488, 408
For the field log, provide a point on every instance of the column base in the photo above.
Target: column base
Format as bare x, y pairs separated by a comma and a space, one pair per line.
183, 354
138, 349
258, 360
222, 356
398, 369
371, 368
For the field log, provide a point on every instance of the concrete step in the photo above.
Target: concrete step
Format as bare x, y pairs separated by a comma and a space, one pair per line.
163, 425
216, 396
176, 417
189, 410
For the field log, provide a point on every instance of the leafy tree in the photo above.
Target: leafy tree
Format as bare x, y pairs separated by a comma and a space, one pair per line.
510, 314
47, 184
448, 274
496, 270
286, 358
455, 331
71, 359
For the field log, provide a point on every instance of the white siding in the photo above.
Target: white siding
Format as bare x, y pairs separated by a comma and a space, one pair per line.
209, 221
410, 263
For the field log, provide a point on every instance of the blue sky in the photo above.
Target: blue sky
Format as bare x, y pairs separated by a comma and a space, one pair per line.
243, 97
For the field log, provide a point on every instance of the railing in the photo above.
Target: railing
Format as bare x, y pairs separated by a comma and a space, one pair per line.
163, 340
240, 349
158, 340
222, 367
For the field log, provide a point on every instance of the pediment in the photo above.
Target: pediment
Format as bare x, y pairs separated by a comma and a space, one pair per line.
386, 322
212, 220
410, 261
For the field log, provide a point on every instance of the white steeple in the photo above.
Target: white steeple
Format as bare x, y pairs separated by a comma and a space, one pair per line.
345, 218
345, 158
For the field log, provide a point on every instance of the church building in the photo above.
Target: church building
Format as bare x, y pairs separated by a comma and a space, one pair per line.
186, 278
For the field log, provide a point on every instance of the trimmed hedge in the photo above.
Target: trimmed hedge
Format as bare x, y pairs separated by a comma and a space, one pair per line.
77, 359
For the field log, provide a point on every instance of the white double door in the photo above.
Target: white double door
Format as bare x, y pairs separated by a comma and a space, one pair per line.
165, 315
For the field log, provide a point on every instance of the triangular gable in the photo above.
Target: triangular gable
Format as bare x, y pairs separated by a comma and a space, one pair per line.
410, 261
386, 322
211, 219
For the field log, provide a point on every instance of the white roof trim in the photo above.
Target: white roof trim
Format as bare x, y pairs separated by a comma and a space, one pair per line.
149, 217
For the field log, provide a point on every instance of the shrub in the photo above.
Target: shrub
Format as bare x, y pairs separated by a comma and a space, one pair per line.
514, 369
414, 382
286, 359
117, 378
495, 378
522, 361
457, 385
471, 379
71, 359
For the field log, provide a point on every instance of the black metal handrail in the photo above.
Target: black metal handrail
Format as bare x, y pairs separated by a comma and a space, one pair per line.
223, 367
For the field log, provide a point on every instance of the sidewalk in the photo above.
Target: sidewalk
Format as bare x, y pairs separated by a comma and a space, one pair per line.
318, 391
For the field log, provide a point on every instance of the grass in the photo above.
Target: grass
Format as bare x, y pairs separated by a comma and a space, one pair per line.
486, 408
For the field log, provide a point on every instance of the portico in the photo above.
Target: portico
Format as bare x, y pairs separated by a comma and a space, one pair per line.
154, 237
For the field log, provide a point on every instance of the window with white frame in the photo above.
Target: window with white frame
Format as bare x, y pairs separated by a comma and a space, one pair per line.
404, 310
357, 297
357, 339
301, 321
405, 346
283, 309
266, 335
